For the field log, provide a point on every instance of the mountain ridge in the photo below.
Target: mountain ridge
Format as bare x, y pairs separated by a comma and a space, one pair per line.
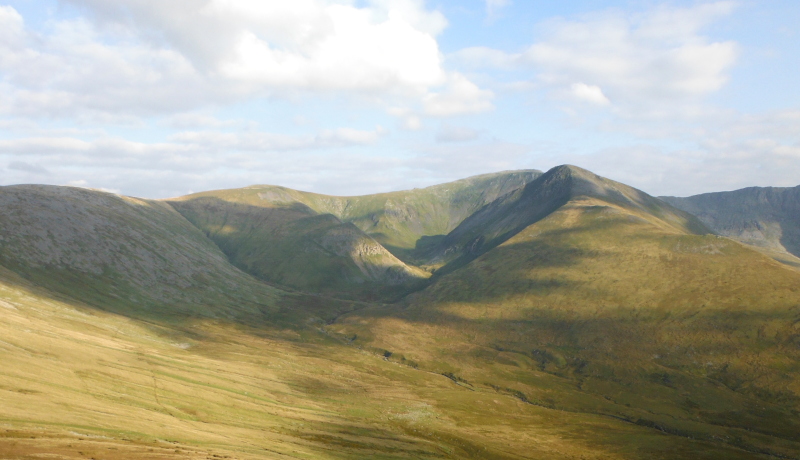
505, 217
764, 217
592, 321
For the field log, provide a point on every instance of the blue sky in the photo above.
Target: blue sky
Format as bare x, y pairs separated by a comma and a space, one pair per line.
159, 99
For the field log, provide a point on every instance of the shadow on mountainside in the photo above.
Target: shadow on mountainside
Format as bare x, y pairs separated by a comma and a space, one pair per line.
299, 249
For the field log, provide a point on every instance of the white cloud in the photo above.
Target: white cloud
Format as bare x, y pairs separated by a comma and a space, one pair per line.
460, 96
27, 167
11, 26
482, 56
349, 136
137, 58
655, 56
638, 59
357, 52
299, 44
192, 150
215, 141
590, 94
189, 120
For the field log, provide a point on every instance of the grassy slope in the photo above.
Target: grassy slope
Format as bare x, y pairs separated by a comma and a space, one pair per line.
334, 245
398, 220
528, 335
140, 256
77, 382
604, 308
765, 217
297, 248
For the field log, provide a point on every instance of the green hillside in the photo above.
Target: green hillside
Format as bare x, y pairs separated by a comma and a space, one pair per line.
400, 221
508, 215
612, 304
569, 317
123, 254
297, 248
80, 383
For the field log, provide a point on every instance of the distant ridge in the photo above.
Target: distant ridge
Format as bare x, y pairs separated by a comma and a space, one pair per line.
365, 247
765, 217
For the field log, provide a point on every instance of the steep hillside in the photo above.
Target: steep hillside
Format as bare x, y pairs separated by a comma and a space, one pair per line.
134, 256
506, 216
295, 247
765, 217
400, 221
611, 304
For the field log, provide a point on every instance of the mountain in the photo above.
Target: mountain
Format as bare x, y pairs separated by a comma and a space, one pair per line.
300, 249
511, 213
555, 315
137, 255
765, 217
400, 221
363, 247
587, 296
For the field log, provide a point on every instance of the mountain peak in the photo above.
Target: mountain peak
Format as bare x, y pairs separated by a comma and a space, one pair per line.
508, 215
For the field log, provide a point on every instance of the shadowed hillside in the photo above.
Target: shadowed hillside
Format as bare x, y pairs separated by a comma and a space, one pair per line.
765, 217
295, 247
335, 245
400, 221
138, 256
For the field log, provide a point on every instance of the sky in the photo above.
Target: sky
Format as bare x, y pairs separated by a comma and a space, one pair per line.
345, 97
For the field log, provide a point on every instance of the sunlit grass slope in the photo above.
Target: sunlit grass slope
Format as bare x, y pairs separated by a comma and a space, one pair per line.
610, 327
78, 383
505, 217
609, 305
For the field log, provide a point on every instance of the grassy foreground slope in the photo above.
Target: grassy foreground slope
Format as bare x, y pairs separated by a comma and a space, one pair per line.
79, 383
608, 306
765, 217
125, 334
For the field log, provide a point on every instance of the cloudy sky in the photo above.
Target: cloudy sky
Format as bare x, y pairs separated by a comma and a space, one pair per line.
161, 98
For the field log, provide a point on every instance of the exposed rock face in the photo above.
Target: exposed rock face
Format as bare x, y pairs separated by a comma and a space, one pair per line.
767, 217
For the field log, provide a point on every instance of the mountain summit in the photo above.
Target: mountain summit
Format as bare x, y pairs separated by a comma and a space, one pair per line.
508, 215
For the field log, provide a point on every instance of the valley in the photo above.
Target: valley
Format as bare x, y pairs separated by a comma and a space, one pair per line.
514, 315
